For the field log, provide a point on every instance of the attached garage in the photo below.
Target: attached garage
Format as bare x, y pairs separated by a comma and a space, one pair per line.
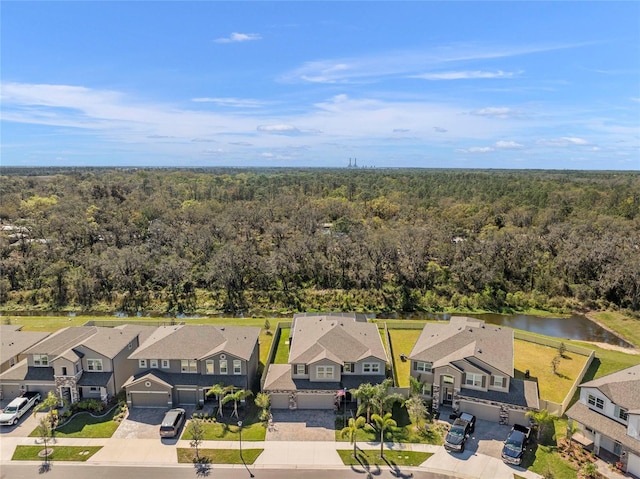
187, 396
150, 399
10, 391
316, 400
279, 400
483, 411
633, 465
517, 416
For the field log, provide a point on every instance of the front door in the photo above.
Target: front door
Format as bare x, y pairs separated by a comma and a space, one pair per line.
65, 393
447, 389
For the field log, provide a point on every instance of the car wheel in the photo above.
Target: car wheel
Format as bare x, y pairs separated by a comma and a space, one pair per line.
14, 422
462, 448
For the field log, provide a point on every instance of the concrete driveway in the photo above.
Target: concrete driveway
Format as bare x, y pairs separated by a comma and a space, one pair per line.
302, 425
25, 426
144, 423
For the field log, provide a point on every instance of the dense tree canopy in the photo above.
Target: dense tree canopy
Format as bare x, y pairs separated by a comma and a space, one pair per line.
181, 241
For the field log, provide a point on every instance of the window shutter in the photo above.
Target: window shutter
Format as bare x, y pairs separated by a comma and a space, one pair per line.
306, 369
464, 378
493, 381
484, 381
415, 366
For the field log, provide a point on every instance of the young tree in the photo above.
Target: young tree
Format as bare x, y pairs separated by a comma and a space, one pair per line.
263, 401
555, 362
50, 404
236, 396
196, 430
45, 432
562, 349
351, 431
416, 409
267, 326
383, 423
543, 419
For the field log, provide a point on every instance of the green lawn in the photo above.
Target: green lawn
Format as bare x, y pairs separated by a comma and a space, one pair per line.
252, 430
628, 327
60, 453
282, 353
220, 456
85, 425
403, 341
537, 359
371, 457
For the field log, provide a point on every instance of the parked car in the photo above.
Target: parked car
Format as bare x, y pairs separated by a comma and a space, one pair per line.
459, 432
514, 445
18, 407
172, 422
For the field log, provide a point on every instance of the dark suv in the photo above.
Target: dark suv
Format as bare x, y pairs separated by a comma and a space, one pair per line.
459, 432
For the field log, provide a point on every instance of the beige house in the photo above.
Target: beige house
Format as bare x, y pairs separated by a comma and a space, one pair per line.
76, 363
13, 343
608, 416
468, 365
328, 353
179, 364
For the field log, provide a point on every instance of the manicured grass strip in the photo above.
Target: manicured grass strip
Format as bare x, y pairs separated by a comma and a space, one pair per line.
403, 341
391, 458
60, 453
85, 425
282, 352
537, 359
547, 460
229, 432
219, 456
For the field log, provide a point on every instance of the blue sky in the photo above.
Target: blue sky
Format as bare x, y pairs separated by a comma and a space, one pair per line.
394, 84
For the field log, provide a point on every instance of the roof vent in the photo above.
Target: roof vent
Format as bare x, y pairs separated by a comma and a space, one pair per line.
480, 351
221, 328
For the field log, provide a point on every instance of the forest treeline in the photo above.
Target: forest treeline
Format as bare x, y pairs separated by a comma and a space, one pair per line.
203, 241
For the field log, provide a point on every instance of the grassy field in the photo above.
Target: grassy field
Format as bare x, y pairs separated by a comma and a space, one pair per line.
537, 359
282, 353
60, 453
628, 327
402, 341
371, 457
219, 456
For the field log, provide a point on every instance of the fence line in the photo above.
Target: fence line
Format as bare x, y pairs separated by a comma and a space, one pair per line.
273, 349
112, 323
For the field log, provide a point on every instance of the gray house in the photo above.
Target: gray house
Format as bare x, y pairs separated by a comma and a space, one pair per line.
468, 365
179, 364
327, 353
76, 363
608, 416
14, 342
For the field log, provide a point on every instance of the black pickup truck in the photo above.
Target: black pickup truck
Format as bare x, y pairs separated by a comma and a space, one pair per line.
459, 432
515, 444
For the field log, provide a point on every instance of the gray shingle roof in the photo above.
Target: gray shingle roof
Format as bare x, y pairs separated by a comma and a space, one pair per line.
110, 341
13, 341
616, 431
22, 372
279, 379
177, 379
198, 342
95, 379
62, 340
463, 338
621, 387
521, 393
340, 339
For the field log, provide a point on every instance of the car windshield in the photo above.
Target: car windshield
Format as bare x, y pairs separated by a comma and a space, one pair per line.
511, 444
10, 409
457, 431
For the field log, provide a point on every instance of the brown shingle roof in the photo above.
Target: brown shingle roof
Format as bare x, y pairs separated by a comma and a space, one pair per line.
463, 338
337, 338
621, 387
198, 342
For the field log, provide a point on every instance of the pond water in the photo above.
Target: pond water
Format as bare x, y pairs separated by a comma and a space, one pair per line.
574, 327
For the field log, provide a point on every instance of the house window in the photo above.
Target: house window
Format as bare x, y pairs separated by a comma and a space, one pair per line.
189, 366
153, 363
94, 389
370, 368
223, 366
64, 371
237, 366
596, 401
209, 366
349, 367
499, 381
472, 379
165, 364
142, 363
94, 364
447, 379
11, 362
301, 369
40, 360
426, 389
422, 366
324, 372
621, 413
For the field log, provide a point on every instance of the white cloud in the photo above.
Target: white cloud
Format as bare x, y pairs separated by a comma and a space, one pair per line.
465, 75
401, 130
231, 102
439, 129
236, 37
280, 129
497, 112
564, 141
475, 149
508, 145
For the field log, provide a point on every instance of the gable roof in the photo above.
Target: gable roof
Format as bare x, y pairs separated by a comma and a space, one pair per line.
621, 387
198, 342
339, 339
110, 341
61, 341
13, 341
463, 338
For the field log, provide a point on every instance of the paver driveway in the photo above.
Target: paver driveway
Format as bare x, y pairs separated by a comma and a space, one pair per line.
302, 425
141, 423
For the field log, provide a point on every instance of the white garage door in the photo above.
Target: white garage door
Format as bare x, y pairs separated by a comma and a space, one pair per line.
518, 417
187, 396
316, 401
279, 400
633, 466
146, 399
481, 411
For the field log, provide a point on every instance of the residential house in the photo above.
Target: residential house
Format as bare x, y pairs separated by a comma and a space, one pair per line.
76, 363
468, 365
13, 343
328, 355
179, 364
608, 417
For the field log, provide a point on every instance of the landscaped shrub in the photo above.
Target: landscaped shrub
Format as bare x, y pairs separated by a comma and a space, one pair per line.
91, 405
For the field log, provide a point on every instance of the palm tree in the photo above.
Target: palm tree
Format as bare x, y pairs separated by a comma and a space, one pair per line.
351, 431
236, 396
382, 423
382, 401
219, 390
542, 418
365, 394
